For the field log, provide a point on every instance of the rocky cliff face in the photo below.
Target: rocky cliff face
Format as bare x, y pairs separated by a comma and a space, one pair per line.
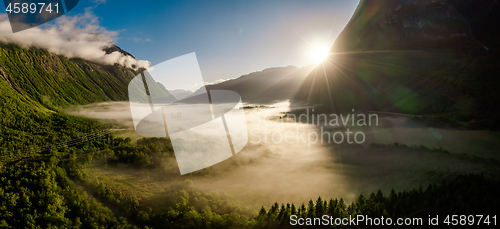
413, 56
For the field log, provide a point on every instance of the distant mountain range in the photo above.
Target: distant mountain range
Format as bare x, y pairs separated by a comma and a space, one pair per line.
420, 57
267, 86
263, 87
180, 93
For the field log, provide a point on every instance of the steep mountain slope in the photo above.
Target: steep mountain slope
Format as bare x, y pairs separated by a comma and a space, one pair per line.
35, 83
49, 80
24, 125
419, 56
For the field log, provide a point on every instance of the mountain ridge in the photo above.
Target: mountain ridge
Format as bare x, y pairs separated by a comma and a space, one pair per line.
267, 86
54, 80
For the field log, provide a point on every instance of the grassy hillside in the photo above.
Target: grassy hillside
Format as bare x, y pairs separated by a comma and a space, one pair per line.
26, 124
51, 81
34, 84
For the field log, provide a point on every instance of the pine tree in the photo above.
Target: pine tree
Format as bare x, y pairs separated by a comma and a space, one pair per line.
319, 207
311, 210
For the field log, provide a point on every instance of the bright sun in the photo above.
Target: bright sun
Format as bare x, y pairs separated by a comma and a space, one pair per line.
319, 53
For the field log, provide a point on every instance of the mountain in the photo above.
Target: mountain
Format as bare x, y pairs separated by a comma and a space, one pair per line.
180, 94
35, 84
113, 48
420, 57
267, 86
48, 80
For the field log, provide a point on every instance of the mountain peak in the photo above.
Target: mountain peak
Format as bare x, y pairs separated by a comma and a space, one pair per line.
114, 48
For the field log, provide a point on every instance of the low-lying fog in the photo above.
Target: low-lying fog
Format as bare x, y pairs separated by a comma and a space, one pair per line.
278, 165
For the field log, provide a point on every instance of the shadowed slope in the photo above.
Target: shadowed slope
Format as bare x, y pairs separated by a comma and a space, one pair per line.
423, 57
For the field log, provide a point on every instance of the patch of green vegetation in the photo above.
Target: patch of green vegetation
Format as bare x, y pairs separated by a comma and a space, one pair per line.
44, 78
35, 84
24, 126
151, 198
67, 190
463, 195
40, 195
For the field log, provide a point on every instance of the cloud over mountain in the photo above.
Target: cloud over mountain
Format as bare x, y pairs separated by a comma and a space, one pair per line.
79, 36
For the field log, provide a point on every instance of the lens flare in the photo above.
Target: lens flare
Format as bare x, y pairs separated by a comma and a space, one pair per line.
319, 53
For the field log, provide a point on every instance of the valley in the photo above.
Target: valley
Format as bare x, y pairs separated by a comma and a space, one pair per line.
398, 154
399, 118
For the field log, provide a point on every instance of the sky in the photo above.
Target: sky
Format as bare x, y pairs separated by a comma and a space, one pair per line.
230, 38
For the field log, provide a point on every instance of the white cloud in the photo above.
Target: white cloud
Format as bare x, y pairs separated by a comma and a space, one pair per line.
80, 36
99, 2
217, 81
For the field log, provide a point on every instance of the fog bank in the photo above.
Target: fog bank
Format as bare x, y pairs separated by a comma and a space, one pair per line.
279, 171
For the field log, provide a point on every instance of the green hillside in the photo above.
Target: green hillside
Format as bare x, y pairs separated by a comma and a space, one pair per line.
35, 84
24, 123
51, 81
